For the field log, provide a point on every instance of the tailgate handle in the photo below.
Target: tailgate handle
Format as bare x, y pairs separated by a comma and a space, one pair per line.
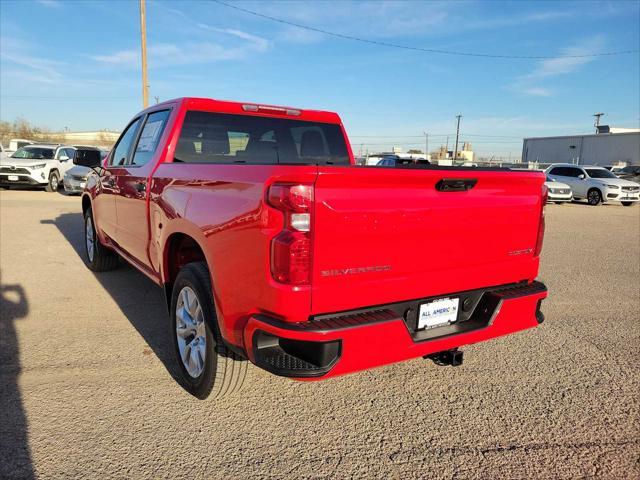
456, 184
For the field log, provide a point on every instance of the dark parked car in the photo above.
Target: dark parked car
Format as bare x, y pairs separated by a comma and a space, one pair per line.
395, 160
630, 172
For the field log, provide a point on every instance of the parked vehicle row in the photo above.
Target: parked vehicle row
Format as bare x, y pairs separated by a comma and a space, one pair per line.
44, 165
594, 184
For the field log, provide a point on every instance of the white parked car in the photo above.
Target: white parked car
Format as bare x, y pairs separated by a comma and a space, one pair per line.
558, 192
37, 165
595, 184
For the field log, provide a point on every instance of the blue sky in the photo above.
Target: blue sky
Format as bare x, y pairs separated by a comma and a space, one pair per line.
76, 64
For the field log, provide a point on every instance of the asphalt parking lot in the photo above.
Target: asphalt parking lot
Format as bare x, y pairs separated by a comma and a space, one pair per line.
86, 386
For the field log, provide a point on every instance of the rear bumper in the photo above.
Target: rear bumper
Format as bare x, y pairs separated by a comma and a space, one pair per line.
353, 341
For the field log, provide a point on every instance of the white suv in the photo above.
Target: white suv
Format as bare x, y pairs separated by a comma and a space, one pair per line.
37, 165
595, 184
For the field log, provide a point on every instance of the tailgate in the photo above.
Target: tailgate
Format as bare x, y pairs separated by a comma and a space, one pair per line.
383, 235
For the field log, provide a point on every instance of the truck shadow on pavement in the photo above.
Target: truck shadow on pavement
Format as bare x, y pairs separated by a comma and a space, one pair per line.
15, 454
139, 299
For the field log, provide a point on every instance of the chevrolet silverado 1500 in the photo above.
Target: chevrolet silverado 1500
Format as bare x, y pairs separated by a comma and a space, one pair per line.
272, 246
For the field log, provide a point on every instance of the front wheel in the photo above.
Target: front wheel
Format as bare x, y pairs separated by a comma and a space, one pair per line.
594, 197
207, 366
97, 257
627, 204
54, 182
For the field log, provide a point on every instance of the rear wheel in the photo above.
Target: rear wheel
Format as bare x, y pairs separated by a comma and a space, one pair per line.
207, 366
627, 204
594, 197
97, 257
54, 182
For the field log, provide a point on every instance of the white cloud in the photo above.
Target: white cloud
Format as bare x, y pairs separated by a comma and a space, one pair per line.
31, 66
50, 3
169, 54
569, 61
261, 44
537, 91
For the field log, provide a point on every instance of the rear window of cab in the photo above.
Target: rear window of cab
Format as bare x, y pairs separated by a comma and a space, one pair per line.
208, 137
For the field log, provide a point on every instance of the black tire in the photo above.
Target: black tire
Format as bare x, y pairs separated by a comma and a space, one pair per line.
224, 371
97, 257
627, 204
54, 182
594, 197
559, 203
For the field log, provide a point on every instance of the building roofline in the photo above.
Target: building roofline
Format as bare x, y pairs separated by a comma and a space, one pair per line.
583, 135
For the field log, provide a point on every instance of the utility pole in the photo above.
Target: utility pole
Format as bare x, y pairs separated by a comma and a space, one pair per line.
143, 43
455, 152
426, 145
597, 123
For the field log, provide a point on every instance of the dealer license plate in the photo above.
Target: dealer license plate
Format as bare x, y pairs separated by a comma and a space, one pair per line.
13, 178
443, 311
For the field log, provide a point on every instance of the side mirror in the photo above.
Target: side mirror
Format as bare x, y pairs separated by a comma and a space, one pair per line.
63, 158
581, 176
90, 161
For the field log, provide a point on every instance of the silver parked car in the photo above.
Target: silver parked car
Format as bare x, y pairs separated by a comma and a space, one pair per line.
75, 178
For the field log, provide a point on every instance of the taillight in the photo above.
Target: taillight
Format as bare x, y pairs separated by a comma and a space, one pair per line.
291, 248
540, 238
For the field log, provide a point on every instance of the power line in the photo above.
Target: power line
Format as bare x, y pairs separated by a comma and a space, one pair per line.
420, 49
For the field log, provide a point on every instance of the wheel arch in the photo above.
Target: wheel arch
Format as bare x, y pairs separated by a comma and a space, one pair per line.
86, 204
179, 249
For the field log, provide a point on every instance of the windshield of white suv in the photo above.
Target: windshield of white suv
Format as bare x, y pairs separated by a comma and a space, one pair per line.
34, 153
599, 173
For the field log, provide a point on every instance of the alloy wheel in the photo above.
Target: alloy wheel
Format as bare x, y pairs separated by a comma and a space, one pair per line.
191, 332
89, 238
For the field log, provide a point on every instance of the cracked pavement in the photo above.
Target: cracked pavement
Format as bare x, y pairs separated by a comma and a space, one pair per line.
86, 386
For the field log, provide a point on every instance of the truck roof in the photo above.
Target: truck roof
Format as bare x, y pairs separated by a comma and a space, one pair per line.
252, 108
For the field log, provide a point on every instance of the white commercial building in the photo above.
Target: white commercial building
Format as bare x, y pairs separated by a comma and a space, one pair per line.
597, 149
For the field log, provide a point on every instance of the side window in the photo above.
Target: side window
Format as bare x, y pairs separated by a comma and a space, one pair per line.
60, 153
121, 151
555, 171
71, 153
574, 172
150, 136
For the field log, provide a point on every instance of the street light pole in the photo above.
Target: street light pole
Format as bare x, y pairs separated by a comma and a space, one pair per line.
143, 43
455, 152
426, 145
597, 122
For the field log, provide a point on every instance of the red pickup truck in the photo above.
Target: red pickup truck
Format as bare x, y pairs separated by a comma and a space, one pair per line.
273, 246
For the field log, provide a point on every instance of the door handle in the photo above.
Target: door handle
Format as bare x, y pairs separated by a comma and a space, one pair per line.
456, 184
141, 186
